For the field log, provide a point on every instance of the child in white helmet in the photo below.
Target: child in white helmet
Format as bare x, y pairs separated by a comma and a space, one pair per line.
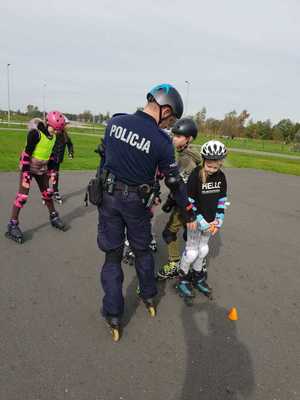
207, 189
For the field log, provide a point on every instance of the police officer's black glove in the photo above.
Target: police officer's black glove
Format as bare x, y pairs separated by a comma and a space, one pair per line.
100, 149
168, 204
188, 214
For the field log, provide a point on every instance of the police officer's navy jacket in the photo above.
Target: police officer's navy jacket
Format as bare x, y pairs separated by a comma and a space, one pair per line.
135, 147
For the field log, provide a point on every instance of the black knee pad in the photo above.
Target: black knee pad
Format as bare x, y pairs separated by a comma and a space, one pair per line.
169, 236
114, 256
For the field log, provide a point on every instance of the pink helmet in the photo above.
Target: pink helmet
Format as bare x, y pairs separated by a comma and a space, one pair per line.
56, 120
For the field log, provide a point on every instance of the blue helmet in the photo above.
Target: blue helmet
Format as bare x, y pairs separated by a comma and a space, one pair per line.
167, 95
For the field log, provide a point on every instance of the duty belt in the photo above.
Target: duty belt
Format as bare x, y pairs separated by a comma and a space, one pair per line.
123, 187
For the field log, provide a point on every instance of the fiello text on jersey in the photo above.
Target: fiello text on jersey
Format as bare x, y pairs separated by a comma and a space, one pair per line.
211, 185
133, 139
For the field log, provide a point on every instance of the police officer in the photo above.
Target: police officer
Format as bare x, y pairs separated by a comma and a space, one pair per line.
135, 147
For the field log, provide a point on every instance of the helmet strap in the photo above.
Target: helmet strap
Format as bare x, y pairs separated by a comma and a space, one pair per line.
183, 147
160, 119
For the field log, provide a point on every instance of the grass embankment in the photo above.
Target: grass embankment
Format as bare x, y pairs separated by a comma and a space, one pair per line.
12, 143
267, 163
252, 144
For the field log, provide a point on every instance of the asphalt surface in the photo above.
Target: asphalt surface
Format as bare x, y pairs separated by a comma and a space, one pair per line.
54, 345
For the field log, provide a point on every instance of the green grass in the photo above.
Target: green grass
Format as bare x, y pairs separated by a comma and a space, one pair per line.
97, 130
268, 163
251, 144
12, 143
85, 157
14, 117
19, 126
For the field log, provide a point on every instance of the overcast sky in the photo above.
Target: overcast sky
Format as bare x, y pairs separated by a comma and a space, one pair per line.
104, 55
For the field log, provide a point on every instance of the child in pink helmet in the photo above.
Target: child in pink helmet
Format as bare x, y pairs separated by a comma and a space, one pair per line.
37, 162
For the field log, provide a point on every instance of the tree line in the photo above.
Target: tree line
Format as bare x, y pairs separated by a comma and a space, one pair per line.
240, 125
33, 111
233, 125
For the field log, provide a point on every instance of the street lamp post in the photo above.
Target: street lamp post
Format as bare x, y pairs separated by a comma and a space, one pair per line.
44, 100
8, 95
187, 96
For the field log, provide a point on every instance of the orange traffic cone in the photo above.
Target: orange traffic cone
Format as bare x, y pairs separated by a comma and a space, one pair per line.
233, 314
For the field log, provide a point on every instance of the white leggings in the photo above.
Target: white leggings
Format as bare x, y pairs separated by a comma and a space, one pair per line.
196, 249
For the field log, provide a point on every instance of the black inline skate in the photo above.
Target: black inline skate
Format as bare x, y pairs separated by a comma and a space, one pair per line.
14, 232
57, 197
56, 222
169, 270
114, 325
150, 305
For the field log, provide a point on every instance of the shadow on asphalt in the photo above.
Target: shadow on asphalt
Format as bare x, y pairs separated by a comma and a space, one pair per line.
132, 301
215, 244
160, 257
78, 212
218, 365
68, 196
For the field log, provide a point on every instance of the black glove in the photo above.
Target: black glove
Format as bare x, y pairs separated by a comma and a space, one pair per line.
168, 204
100, 149
70, 151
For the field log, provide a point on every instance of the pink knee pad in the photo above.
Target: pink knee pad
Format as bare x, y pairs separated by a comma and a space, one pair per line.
21, 200
47, 194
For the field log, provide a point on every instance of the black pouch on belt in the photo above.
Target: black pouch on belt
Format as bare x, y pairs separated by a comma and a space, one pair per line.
94, 191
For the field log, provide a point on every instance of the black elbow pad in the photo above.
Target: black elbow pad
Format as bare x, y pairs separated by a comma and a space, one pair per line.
173, 181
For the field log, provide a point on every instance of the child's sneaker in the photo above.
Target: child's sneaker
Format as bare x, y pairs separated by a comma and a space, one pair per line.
169, 270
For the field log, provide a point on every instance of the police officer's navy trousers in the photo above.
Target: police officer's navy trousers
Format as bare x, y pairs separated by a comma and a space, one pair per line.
118, 212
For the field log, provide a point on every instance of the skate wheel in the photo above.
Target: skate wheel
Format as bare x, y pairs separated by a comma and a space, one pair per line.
188, 301
115, 334
161, 278
152, 312
210, 297
17, 240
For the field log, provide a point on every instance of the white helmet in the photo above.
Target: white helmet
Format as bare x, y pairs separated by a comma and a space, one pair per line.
213, 150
